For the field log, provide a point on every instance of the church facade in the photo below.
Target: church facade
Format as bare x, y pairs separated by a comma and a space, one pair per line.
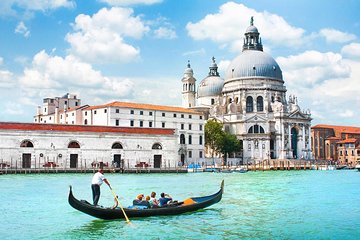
251, 102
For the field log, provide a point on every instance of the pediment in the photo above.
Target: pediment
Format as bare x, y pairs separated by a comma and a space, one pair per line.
297, 115
256, 118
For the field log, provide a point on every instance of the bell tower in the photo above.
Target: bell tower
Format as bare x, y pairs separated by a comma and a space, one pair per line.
188, 88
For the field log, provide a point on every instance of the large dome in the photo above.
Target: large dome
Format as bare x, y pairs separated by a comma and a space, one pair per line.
253, 63
210, 86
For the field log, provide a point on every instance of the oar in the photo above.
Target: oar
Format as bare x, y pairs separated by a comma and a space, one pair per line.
122, 209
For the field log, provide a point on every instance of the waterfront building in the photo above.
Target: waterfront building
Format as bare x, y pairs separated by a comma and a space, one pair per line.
329, 141
251, 103
29, 145
188, 123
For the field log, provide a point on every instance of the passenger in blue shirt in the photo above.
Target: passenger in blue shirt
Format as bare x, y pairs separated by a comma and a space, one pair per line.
165, 199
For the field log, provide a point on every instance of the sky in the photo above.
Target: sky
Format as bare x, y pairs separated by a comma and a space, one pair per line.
137, 50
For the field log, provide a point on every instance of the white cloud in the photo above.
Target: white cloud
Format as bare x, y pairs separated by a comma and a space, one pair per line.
69, 74
347, 113
336, 36
165, 33
324, 82
129, 2
6, 79
100, 38
14, 7
13, 108
229, 24
22, 29
200, 52
170, 97
313, 67
351, 51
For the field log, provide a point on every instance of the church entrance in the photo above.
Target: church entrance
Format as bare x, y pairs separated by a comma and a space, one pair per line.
182, 159
294, 141
272, 149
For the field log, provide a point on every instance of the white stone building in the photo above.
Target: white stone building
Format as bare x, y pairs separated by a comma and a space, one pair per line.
251, 103
187, 123
29, 145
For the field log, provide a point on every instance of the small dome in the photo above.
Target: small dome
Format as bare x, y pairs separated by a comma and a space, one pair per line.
252, 29
210, 86
188, 70
251, 64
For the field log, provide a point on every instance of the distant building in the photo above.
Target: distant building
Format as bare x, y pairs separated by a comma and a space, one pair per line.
336, 143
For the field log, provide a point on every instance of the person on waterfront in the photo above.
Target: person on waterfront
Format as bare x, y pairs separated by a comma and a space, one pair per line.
165, 199
153, 201
96, 182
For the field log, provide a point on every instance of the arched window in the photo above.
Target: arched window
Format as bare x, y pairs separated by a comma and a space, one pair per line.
249, 104
256, 129
117, 145
259, 104
190, 139
73, 144
200, 140
85, 122
26, 143
182, 139
156, 146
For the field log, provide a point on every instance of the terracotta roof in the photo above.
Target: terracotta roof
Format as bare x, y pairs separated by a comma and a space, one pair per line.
144, 106
333, 138
349, 140
83, 128
338, 129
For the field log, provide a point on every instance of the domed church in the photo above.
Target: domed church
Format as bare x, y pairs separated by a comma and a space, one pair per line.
251, 102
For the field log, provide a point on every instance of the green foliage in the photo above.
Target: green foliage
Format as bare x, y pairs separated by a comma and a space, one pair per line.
213, 135
219, 141
229, 144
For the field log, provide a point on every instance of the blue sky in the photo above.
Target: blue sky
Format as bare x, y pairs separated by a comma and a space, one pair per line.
137, 50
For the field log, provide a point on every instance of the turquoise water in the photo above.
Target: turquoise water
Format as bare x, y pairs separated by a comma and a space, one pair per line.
255, 205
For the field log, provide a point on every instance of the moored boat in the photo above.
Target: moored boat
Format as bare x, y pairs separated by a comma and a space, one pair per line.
188, 205
357, 166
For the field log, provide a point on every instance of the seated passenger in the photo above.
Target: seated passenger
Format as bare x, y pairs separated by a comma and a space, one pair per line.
153, 201
140, 202
165, 199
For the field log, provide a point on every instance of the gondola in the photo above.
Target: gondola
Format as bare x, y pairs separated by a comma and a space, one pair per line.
188, 205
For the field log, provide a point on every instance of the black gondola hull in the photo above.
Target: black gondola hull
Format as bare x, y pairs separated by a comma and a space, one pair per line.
109, 213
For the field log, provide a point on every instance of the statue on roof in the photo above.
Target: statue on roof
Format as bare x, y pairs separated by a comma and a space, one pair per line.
252, 21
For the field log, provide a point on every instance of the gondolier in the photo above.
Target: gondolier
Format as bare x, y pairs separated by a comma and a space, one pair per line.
96, 182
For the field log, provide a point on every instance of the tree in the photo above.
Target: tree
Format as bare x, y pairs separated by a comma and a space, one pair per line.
213, 136
229, 144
